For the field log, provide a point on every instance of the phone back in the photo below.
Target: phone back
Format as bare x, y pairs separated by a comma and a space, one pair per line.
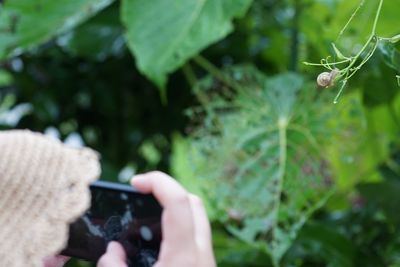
117, 213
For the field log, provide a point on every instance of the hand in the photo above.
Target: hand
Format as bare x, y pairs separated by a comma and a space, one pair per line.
186, 230
55, 261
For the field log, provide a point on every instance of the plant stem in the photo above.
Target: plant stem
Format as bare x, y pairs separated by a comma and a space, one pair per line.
282, 126
370, 39
378, 13
327, 64
214, 71
369, 55
189, 75
344, 82
350, 20
359, 54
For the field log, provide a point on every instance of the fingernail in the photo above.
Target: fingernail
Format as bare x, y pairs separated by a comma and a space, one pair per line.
138, 179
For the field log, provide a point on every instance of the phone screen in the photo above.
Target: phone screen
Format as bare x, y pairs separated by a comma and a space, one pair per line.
117, 213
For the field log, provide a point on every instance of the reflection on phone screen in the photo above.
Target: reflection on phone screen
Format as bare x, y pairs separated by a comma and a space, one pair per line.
131, 218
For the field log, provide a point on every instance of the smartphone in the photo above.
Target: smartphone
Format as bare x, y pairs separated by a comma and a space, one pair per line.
117, 213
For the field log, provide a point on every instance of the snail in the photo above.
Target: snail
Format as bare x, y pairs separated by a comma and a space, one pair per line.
327, 79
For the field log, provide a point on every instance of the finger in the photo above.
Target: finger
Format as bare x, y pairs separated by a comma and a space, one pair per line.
55, 261
165, 188
115, 256
178, 228
202, 231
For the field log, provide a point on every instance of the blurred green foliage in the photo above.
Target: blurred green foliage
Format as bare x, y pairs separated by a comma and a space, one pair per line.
289, 178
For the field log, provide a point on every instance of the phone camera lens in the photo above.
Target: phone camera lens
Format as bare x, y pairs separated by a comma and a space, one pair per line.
146, 233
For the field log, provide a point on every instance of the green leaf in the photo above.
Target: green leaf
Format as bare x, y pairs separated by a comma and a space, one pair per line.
98, 38
150, 152
163, 35
231, 252
379, 83
389, 202
182, 170
361, 141
5, 78
391, 55
257, 155
7, 102
337, 52
25, 24
322, 241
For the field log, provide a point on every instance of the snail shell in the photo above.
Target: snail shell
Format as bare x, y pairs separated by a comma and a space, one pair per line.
324, 79
327, 79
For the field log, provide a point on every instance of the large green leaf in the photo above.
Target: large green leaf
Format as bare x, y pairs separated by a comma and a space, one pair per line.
165, 34
257, 156
98, 38
25, 24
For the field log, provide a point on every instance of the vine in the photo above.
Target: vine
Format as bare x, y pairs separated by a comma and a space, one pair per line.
351, 64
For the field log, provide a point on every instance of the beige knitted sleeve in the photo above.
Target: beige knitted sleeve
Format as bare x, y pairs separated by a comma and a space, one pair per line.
43, 188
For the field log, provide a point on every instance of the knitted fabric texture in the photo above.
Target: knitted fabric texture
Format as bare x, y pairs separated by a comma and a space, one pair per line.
44, 186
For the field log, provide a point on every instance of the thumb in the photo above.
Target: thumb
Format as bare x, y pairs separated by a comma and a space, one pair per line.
115, 256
